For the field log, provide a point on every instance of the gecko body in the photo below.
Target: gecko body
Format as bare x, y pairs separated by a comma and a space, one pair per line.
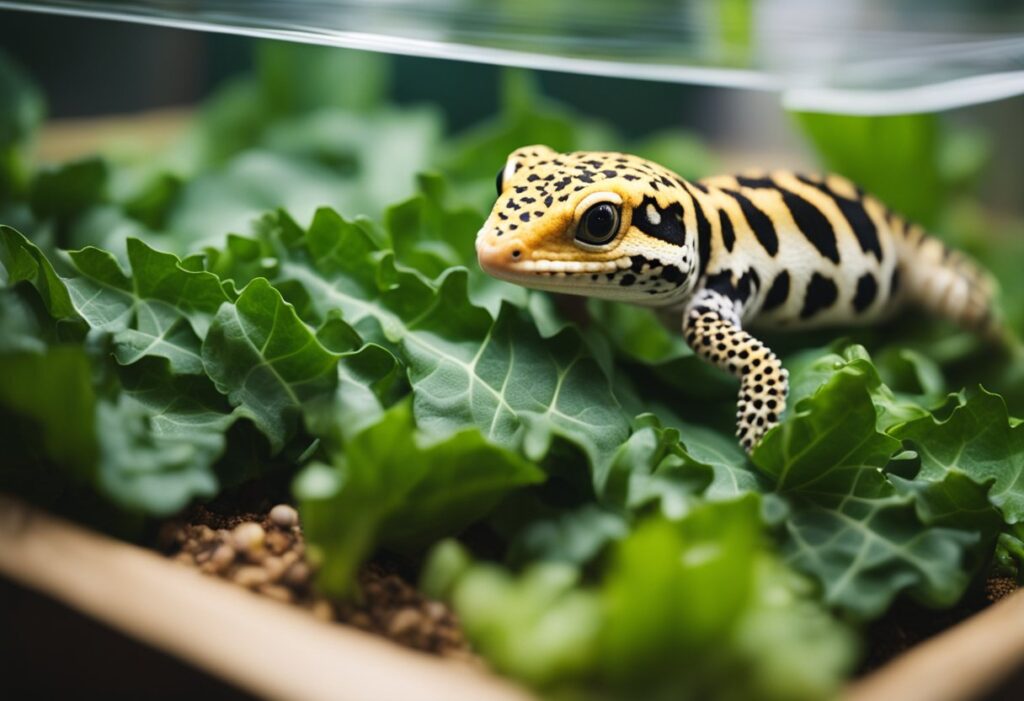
728, 253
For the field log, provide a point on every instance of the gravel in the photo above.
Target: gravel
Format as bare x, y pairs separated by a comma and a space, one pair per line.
265, 553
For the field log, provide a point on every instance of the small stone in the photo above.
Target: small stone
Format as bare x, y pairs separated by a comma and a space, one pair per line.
284, 516
277, 592
298, 575
248, 537
185, 558
278, 542
404, 620
435, 610
323, 610
250, 576
274, 567
204, 534
203, 556
222, 557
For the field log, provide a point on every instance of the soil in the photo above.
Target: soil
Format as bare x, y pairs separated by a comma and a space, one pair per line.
263, 550
908, 624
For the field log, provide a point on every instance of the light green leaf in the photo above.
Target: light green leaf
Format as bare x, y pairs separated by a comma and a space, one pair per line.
849, 528
977, 441
260, 354
391, 487
21, 260
162, 309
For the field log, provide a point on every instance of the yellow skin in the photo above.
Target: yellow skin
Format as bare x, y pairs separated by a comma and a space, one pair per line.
781, 250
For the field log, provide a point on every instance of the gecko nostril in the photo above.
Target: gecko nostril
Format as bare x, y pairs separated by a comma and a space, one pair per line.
516, 253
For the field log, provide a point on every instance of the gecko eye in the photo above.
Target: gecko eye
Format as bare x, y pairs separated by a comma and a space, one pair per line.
599, 225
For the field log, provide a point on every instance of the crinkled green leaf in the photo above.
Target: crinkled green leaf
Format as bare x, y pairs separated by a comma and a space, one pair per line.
389, 486
977, 441
162, 309
504, 378
21, 260
652, 466
432, 237
260, 354
849, 528
366, 375
811, 369
143, 467
721, 605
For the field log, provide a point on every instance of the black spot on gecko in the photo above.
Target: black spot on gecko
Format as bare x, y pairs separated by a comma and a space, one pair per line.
778, 293
814, 225
524, 217
548, 200
627, 280
669, 227
860, 221
867, 290
821, 294
760, 182
758, 221
728, 234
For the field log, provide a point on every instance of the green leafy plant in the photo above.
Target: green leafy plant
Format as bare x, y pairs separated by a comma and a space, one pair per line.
277, 296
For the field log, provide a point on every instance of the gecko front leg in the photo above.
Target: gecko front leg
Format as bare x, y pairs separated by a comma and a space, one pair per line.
711, 325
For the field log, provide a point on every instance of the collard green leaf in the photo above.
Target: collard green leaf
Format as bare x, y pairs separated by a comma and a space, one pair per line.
162, 309
432, 237
812, 369
652, 466
977, 441
366, 375
260, 354
22, 261
145, 468
849, 528
389, 486
465, 368
505, 379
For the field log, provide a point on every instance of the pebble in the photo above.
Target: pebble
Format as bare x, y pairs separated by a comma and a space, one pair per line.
222, 557
250, 576
298, 575
278, 542
274, 567
435, 610
248, 537
284, 516
404, 620
277, 592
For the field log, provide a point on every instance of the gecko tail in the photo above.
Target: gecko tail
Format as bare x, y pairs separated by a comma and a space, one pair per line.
951, 285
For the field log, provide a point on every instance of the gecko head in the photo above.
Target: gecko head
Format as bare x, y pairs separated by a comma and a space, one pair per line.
599, 224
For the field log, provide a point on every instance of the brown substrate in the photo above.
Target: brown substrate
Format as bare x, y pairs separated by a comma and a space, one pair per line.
264, 551
908, 624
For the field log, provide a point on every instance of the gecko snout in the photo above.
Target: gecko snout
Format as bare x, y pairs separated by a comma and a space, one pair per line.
496, 255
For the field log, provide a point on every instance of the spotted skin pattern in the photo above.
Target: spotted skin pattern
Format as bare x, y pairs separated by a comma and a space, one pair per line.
774, 250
